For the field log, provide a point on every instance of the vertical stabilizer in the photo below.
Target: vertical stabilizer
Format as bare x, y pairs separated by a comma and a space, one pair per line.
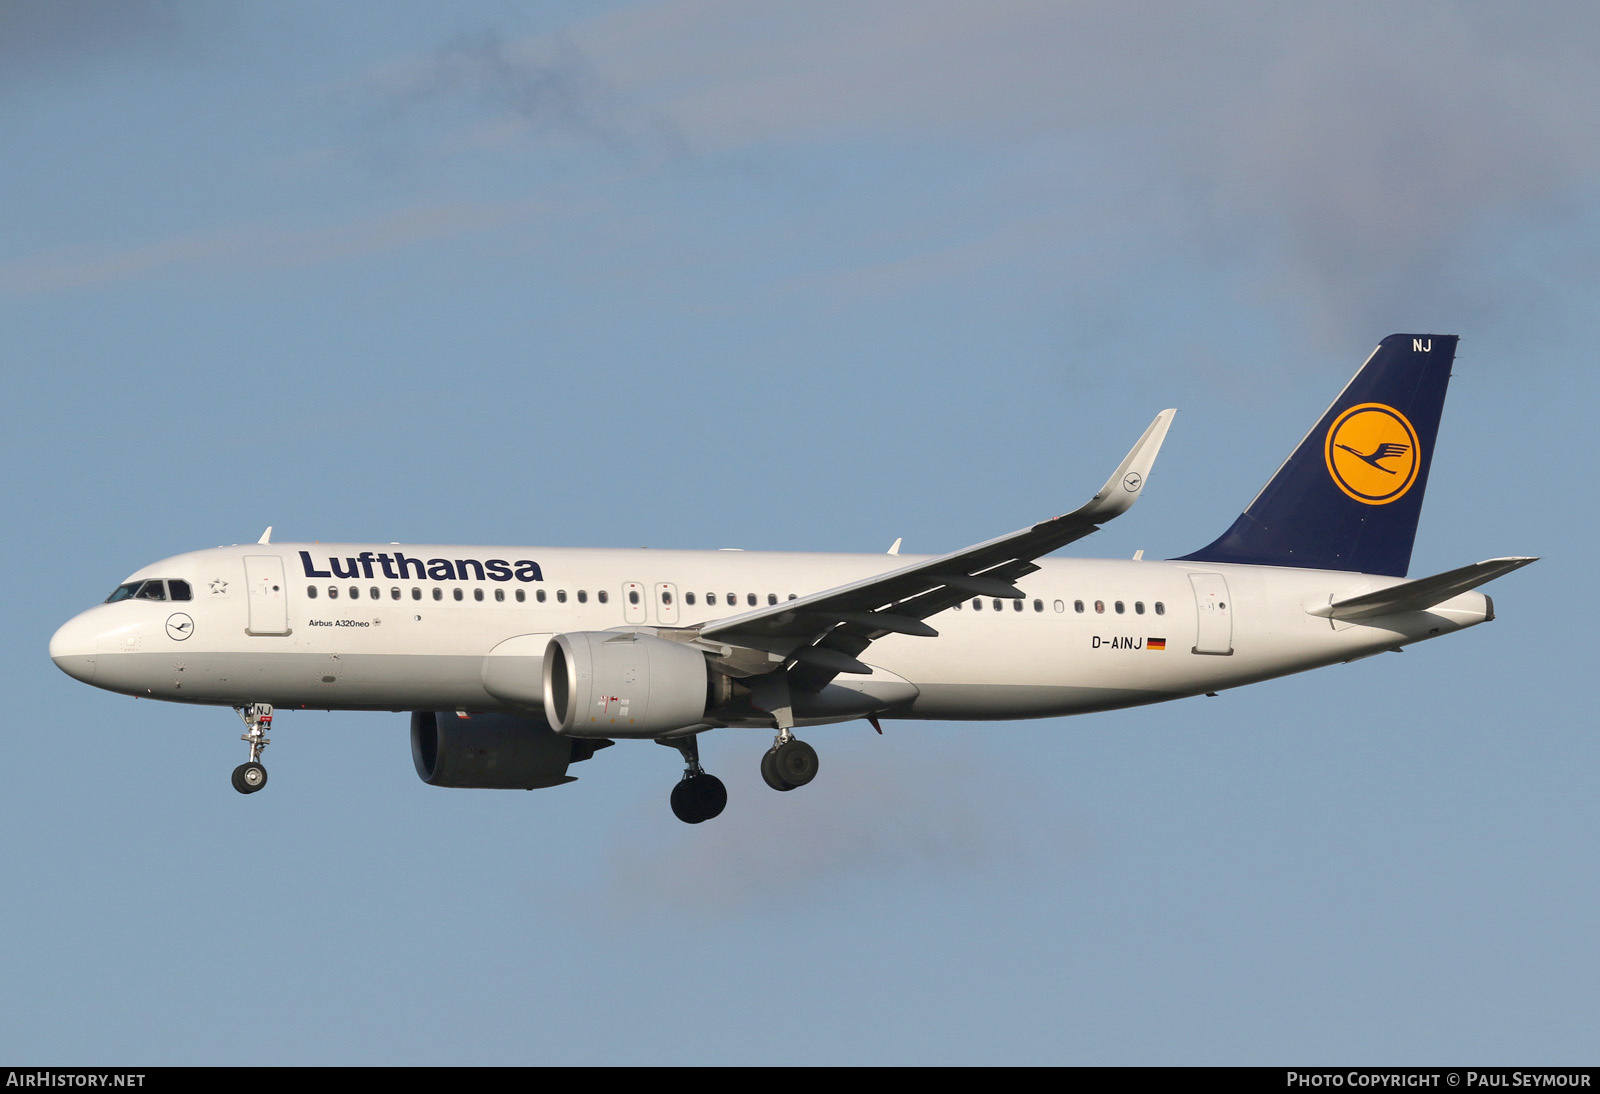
1350, 495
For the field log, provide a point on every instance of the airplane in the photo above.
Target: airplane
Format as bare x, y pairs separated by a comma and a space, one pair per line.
517, 662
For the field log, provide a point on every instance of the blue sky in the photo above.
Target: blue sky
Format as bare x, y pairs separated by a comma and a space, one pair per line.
698, 274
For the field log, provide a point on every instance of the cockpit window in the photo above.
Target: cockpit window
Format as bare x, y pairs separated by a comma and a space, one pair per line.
153, 589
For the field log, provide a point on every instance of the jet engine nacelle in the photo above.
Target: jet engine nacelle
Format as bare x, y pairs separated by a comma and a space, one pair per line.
492, 751
620, 684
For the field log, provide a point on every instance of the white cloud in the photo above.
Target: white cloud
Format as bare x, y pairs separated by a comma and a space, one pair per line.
1354, 151
257, 246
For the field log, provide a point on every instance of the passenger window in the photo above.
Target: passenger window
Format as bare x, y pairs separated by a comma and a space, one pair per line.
999, 605
521, 596
583, 596
375, 594
688, 598
1138, 607
179, 590
438, 593
477, 594
333, 592
1038, 605
540, 595
605, 597
666, 597
1161, 609
1100, 607
733, 600
633, 596
355, 592
394, 593
1061, 607
1077, 606
416, 593
311, 592
561, 596
793, 597
500, 596
456, 593
1016, 605
977, 605
711, 598
750, 598
1120, 608
772, 598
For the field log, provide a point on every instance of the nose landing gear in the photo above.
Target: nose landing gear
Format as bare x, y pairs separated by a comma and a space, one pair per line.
251, 776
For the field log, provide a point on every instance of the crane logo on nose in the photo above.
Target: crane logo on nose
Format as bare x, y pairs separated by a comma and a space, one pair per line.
179, 626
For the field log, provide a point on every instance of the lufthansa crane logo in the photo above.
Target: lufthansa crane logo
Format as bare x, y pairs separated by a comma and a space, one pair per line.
1372, 453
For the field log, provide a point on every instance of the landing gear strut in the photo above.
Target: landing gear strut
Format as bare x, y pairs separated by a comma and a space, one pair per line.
251, 776
698, 796
790, 762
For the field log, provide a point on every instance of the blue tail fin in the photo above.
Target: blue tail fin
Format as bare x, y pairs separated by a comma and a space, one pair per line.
1350, 495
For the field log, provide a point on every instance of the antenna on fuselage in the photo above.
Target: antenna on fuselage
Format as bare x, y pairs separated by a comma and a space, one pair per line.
266, 537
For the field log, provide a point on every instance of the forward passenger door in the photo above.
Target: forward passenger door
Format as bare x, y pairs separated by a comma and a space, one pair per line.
269, 603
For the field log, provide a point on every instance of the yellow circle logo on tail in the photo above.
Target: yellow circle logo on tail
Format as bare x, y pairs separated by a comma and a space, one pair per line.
1372, 453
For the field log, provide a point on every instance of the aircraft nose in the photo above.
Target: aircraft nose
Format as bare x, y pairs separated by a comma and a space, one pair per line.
73, 649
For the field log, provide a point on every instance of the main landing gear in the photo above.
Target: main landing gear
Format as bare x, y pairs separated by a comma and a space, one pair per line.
789, 763
251, 776
698, 796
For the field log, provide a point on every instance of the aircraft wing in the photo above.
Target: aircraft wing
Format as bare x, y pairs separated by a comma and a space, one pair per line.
823, 632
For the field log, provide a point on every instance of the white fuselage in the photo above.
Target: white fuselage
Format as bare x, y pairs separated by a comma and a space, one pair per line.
281, 624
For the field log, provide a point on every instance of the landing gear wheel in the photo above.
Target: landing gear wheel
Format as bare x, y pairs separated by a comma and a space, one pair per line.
769, 770
698, 798
789, 765
248, 778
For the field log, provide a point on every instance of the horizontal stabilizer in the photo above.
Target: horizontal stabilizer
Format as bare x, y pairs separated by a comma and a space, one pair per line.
1421, 594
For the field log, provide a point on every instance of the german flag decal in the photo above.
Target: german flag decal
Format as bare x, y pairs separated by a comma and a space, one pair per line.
1155, 643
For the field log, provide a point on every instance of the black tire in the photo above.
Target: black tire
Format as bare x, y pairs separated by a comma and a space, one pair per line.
248, 778
769, 770
795, 762
712, 794
687, 802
